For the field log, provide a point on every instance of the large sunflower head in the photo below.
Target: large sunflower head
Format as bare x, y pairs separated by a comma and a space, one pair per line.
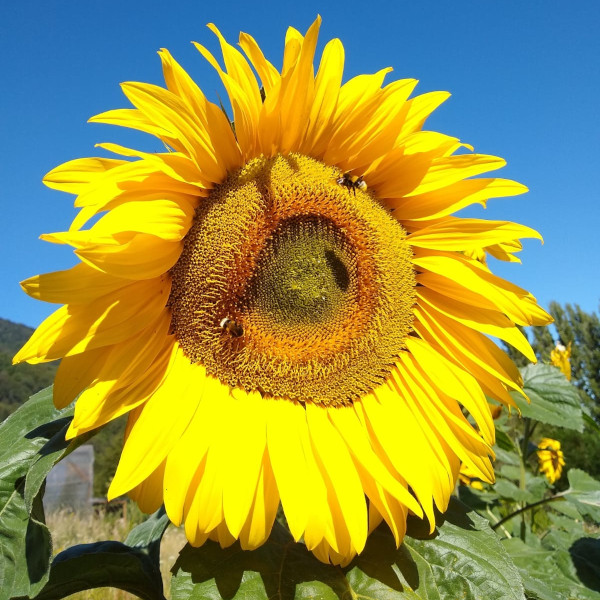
283, 303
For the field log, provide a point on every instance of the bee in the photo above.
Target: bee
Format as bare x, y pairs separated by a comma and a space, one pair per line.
232, 327
352, 182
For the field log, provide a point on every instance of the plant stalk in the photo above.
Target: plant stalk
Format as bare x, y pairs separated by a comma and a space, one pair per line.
521, 510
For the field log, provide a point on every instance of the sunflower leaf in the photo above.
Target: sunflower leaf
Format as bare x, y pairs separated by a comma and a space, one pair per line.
103, 564
555, 574
280, 568
53, 451
508, 490
463, 560
25, 544
584, 494
554, 400
132, 566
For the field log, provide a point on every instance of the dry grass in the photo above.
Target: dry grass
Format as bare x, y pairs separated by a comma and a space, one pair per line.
69, 529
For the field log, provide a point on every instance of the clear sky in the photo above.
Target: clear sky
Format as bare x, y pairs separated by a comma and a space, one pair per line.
524, 78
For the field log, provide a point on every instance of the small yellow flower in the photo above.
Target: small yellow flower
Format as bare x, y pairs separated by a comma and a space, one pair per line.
551, 459
284, 304
561, 358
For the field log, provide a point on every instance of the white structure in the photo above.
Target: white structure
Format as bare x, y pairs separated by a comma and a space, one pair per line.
70, 483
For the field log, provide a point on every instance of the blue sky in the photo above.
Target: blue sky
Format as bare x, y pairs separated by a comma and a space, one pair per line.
524, 78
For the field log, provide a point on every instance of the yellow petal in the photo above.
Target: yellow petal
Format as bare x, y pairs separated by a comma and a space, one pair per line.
75, 373
148, 494
285, 420
442, 415
91, 413
481, 319
136, 119
158, 427
466, 234
468, 347
243, 457
138, 256
466, 280
327, 89
78, 285
455, 382
174, 164
243, 103
211, 115
185, 458
263, 511
75, 175
297, 94
104, 322
381, 420
269, 75
451, 169
349, 427
332, 452
449, 199
168, 110
420, 107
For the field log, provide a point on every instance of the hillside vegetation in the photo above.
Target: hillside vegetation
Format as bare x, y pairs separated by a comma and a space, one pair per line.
18, 382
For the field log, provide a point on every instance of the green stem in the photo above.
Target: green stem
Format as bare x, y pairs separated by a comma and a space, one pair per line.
521, 510
522, 478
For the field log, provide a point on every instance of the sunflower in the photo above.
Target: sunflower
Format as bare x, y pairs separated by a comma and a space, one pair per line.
551, 459
283, 304
560, 357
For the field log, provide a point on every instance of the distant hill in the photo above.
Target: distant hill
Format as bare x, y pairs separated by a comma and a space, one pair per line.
18, 382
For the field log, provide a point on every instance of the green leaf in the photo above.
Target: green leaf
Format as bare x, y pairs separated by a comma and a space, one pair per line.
132, 566
563, 524
554, 400
511, 472
480, 500
25, 545
554, 574
508, 458
585, 554
591, 422
507, 489
504, 442
148, 534
464, 559
584, 494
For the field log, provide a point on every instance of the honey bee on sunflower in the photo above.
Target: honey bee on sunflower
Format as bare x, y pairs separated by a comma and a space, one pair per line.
362, 320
